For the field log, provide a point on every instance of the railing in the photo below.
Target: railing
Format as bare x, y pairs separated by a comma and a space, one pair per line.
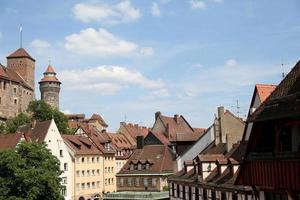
137, 195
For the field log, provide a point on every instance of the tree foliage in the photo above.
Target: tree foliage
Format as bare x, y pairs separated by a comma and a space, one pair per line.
42, 111
13, 123
30, 172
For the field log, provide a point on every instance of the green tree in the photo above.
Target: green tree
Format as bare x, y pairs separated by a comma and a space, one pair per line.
13, 123
30, 172
42, 111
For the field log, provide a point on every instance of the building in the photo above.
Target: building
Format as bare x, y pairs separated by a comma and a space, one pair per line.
50, 87
123, 149
102, 142
226, 130
272, 160
87, 167
211, 175
260, 94
131, 131
177, 130
48, 133
16, 84
75, 120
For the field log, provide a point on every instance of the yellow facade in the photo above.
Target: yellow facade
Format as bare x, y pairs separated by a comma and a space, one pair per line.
88, 176
109, 173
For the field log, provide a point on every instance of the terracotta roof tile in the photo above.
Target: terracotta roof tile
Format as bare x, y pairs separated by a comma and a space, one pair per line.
99, 118
20, 53
9, 141
264, 90
160, 157
81, 145
50, 69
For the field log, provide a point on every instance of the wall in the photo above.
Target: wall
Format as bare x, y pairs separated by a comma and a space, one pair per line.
109, 173
140, 184
57, 146
198, 147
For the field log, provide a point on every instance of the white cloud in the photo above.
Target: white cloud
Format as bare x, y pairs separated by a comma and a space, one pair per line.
231, 63
122, 12
197, 4
147, 51
40, 44
155, 10
67, 111
102, 43
107, 80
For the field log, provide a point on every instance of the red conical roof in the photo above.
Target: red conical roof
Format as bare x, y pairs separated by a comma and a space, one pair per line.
50, 69
20, 53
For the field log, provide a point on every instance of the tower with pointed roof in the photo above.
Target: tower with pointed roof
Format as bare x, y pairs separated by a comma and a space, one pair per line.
22, 63
50, 87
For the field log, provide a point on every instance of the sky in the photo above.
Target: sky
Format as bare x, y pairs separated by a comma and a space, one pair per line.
128, 59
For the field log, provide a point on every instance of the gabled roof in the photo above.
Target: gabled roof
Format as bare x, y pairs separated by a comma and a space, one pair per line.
20, 53
264, 91
178, 129
283, 101
50, 69
11, 75
161, 157
99, 118
119, 141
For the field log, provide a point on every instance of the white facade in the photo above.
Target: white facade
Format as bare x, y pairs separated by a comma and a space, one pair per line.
58, 148
199, 146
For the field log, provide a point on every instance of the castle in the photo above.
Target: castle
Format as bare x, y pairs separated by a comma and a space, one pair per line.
17, 85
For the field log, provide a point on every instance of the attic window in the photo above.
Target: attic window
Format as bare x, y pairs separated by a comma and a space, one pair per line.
147, 165
139, 166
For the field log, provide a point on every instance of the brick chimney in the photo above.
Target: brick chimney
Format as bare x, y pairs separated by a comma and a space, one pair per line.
176, 118
140, 141
158, 113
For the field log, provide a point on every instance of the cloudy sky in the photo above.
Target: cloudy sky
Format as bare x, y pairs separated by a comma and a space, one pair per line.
128, 59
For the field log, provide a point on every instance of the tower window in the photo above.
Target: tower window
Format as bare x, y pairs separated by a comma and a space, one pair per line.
15, 90
15, 101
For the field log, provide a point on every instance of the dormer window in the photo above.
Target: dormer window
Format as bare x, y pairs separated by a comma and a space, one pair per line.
131, 166
139, 166
147, 166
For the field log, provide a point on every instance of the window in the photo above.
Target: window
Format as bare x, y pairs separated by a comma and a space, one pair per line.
64, 191
15, 90
105, 181
15, 101
98, 159
77, 160
139, 166
78, 186
82, 186
64, 180
129, 182
105, 169
88, 185
122, 181
82, 160
153, 181
98, 171
77, 173
88, 160
112, 169
112, 180
61, 153
65, 166
147, 165
137, 182
88, 172
93, 159
93, 185
145, 182
109, 181
82, 173
98, 184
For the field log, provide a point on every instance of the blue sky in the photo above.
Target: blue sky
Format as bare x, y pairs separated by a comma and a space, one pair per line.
129, 59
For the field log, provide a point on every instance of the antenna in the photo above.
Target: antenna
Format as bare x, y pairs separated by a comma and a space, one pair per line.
125, 117
21, 30
237, 108
282, 65
49, 60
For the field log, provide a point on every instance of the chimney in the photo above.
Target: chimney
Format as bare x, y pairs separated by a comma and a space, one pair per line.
221, 111
140, 141
200, 171
136, 125
122, 123
158, 113
176, 118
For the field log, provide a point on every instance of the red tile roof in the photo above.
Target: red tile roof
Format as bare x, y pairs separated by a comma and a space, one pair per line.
98, 118
81, 145
120, 141
50, 69
36, 132
134, 130
49, 79
160, 157
264, 90
9, 141
179, 130
20, 53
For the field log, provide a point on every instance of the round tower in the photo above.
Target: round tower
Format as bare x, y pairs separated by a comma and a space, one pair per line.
50, 87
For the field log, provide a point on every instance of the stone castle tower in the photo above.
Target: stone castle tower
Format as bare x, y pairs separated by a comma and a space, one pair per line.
50, 87
16, 84
23, 64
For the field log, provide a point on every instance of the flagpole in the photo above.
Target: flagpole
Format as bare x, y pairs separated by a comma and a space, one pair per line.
21, 36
